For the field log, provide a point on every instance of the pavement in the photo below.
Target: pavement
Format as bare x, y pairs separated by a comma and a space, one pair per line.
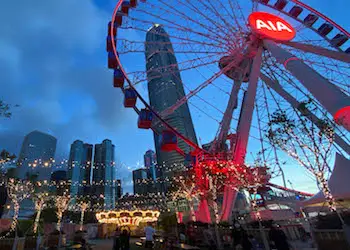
107, 244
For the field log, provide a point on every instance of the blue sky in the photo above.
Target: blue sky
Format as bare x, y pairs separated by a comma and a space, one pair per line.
53, 64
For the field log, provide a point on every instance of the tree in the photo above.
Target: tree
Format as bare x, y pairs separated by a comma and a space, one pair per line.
5, 110
184, 187
61, 203
83, 204
17, 192
306, 141
5, 156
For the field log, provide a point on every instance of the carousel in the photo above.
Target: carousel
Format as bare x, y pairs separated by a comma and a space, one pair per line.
133, 221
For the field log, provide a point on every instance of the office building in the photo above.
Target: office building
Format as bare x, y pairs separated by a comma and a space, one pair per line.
79, 168
59, 183
118, 190
103, 179
165, 88
139, 177
150, 162
36, 156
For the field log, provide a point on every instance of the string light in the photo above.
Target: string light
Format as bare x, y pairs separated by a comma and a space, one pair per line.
307, 142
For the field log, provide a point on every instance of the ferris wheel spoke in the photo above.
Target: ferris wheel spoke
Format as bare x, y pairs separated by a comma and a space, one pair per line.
175, 52
141, 76
183, 100
334, 102
337, 55
212, 21
275, 85
274, 147
177, 38
220, 32
182, 28
129, 43
220, 16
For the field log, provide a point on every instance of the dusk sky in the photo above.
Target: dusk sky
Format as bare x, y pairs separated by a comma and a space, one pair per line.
54, 65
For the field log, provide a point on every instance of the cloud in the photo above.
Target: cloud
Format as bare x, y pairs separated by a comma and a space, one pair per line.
53, 64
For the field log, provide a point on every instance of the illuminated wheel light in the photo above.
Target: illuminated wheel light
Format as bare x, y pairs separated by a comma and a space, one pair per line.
266, 25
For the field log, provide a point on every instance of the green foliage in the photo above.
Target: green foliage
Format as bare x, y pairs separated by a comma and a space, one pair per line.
280, 125
48, 215
6, 156
11, 173
5, 110
168, 221
89, 217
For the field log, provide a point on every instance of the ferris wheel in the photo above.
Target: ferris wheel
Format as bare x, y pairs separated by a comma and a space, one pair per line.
239, 61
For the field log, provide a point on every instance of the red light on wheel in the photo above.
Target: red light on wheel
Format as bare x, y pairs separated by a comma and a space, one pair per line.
266, 25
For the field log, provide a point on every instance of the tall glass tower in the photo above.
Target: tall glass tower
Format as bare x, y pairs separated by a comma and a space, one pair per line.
37, 155
103, 179
165, 87
79, 168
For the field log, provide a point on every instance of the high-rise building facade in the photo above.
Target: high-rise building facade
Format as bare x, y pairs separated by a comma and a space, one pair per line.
154, 172
37, 155
139, 177
103, 179
118, 190
165, 88
59, 183
150, 162
79, 168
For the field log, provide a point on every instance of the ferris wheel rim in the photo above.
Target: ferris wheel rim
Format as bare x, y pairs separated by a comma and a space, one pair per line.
157, 114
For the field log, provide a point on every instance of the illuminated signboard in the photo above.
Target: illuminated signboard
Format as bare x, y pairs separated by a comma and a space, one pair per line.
266, 25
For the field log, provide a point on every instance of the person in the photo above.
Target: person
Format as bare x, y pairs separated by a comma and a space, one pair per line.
254, 242
236, 235
116, 243
149, 232
278, 237
84, 245
191, 234
209, 238
125, 240
246, 244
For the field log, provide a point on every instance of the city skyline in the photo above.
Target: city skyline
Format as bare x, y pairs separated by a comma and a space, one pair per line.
66, 163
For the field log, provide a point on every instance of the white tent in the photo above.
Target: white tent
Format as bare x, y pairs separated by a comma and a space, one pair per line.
339, 184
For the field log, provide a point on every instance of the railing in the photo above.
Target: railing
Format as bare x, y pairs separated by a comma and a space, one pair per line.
331, 239
7, 243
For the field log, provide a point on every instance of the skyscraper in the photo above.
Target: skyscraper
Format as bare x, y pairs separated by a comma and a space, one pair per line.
36, 156
150, 165
165, 87
79, 168
103, 179
139, 177
59, 183
154, 173
118, 190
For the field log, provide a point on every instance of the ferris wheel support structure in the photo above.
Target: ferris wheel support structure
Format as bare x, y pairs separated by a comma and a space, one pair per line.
340, 56
243, 130
331, 97
276, 86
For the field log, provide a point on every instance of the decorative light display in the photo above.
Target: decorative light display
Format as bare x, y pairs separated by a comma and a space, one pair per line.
185, 187
17, 192
83, 206
128, 218
306, 141
39, 202
62, 203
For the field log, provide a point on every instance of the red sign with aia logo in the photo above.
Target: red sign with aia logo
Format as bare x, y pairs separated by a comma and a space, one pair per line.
266, 25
